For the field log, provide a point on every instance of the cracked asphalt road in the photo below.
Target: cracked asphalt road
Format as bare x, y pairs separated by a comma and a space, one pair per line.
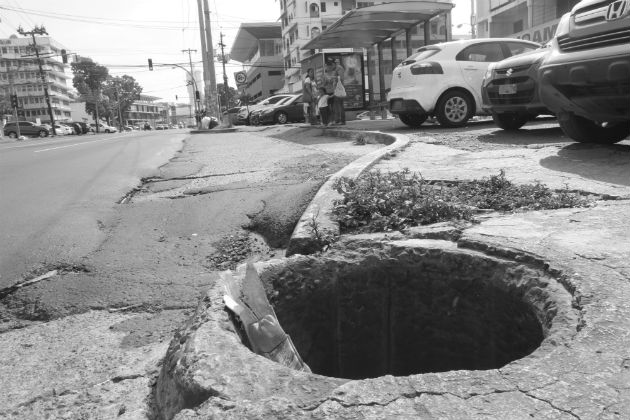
72, 336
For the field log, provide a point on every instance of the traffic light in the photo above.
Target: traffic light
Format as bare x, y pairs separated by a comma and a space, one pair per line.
150, 64
64, 57
176, 98
14, 101
197, 96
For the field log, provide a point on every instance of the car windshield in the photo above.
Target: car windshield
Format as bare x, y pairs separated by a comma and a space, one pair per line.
422, 54
287, 100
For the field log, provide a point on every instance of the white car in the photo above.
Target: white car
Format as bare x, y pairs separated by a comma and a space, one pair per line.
63, 130
444, 80
103, 128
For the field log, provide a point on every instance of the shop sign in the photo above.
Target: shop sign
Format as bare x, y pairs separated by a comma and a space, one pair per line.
541, 33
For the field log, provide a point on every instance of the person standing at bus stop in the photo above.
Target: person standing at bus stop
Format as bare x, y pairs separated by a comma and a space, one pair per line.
309, 96
333, 75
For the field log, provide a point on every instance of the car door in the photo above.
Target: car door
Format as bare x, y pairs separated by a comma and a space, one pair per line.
474, 61
296, 110
26, 128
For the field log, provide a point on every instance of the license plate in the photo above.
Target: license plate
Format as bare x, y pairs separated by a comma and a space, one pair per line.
507, 89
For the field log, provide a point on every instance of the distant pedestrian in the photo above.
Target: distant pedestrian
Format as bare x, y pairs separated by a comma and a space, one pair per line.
309, 96
322, 105
333, 75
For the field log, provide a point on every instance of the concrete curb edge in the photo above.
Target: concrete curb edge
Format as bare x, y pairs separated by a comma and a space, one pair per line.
320, 209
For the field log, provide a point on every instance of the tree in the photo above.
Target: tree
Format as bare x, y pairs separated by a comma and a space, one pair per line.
88, 79
233, 96
121, 91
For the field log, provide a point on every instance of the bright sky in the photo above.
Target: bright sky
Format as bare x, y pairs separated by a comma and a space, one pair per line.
123, 34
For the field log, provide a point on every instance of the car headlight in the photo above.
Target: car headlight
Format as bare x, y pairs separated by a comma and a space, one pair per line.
564, 25
489, 72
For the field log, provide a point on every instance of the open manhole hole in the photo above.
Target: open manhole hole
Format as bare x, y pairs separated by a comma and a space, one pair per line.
412, 310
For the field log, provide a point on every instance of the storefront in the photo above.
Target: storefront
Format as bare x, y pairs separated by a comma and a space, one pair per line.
381, 36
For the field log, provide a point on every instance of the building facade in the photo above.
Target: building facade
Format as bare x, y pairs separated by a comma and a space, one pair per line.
259, 47
534, 20
19, 74
301, 21
144, 110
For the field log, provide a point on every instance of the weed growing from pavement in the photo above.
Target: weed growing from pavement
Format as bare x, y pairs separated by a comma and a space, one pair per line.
379, 201
323, 237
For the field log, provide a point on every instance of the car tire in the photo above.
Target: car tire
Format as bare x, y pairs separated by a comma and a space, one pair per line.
509, 121
586, 131
107, 131
281, 118
255, 120
12, 135
42, 133
413, 120
454, 109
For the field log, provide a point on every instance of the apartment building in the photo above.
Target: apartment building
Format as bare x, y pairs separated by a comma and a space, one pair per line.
534, 20
301, 21
19, 74
259, 47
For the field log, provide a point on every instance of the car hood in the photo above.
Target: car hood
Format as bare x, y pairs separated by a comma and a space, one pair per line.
524, 59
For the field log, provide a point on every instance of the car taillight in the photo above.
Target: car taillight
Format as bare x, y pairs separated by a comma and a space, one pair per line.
426, 68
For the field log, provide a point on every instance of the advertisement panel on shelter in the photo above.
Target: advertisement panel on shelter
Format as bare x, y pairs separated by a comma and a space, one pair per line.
353, 77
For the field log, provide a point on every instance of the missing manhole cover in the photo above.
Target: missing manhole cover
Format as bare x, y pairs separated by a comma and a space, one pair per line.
411, 310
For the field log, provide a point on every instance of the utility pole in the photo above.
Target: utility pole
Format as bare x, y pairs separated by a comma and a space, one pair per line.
192, 75
40, 30
206, 64
212, 100
225, 79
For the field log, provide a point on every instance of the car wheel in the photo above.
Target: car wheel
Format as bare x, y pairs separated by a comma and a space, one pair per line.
12, 135
509, 121
107, 131
587, 131
42, 133
281, 118
255, 120
413, 120
454, 109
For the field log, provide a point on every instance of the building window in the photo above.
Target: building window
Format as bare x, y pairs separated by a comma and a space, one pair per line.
274, 73
323, 6
361, 4
314, 10
517, 26
315, 32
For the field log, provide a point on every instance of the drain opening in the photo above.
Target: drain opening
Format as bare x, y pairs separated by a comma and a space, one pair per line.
410, 315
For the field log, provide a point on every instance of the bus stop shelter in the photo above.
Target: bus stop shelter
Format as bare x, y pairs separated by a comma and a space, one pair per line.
388, 32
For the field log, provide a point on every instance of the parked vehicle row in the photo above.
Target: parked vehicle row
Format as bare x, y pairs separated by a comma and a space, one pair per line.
582, 76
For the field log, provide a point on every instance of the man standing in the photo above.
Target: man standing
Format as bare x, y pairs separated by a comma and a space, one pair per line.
333, 75
309, 89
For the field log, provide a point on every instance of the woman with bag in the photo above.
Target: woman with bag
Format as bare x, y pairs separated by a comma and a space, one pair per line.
334, 75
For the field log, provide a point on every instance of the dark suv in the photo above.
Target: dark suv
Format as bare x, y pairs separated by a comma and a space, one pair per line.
585, 80
510, 89
27, 128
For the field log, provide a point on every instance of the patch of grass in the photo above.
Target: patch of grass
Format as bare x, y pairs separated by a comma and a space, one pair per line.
397, 200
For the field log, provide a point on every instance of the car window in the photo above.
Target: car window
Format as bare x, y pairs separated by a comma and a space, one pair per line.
422, 54
24, 124
488, 52
516, 48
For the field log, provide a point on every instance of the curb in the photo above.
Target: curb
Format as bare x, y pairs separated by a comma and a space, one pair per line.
321, 207
214, 131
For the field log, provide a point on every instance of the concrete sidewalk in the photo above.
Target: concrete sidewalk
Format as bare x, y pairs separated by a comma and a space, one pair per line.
581, 370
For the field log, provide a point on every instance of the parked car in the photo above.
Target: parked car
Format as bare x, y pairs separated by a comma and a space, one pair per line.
510, 89
159, 127
288, 110
80, 127
104, 128
27, 128
232, 115
63, 130
244, 115
444, 80
585, 79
